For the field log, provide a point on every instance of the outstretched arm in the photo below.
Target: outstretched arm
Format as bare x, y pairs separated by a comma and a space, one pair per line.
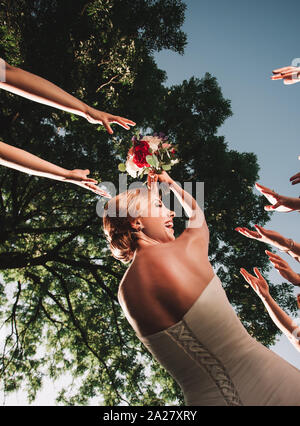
284, 268
25, 162
43, 91
274, 238
189, 204
279, 317
280, 203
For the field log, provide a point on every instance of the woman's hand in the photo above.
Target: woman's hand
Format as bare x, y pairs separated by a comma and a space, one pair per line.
295, 179
266, 236
283, 268
94, 116
289, 75
79, 177
280, 203
258, 283
158, 177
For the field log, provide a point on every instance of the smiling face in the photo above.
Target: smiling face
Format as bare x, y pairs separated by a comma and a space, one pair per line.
136, 210
155, 219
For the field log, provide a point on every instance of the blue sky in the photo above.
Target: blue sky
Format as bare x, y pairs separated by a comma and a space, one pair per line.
240, 42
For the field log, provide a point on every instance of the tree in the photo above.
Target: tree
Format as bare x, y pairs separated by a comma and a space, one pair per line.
52, 250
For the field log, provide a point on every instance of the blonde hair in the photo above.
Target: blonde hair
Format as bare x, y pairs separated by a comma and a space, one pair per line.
119, 213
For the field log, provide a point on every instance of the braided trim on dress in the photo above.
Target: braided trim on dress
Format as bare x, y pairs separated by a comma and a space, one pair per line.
185, 338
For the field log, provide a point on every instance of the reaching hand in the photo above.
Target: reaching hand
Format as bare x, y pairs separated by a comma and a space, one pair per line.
158, 177
94, 116
283, 268
289, 75
265, 236
79, 177
295, 179
258, 283
280, 203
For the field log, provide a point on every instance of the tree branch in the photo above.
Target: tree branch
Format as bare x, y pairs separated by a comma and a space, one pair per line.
83, 332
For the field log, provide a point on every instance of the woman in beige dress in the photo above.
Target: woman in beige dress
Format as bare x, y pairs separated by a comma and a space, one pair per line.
176, 305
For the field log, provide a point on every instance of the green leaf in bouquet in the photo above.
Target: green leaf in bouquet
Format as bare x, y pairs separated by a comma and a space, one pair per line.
166, 167
122, 167
150, 160
156, 162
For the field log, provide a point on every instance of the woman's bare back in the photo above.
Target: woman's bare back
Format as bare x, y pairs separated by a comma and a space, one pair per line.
165, 280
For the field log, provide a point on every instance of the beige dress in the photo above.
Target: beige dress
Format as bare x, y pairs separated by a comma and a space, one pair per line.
216, 362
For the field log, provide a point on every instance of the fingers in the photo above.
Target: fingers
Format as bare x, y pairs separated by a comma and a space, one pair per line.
272, 207
279, 207
261, 231
123, 122
270, 195
107, 126
107, 119
276, 200
89, 180
248, 233
86, 179
249, 278
284, 70
289, 75
151, 179
295, 179
97, 190
261, 188
274, 258
245, 274
257, 273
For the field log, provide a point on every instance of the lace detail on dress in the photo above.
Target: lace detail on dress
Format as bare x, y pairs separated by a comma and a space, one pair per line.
185, 338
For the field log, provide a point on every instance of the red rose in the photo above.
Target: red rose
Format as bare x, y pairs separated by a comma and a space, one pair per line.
141, 150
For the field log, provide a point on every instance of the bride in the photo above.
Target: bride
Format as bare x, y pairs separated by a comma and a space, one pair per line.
179, 310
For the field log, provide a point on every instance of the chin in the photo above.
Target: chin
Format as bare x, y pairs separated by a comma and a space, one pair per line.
170, 235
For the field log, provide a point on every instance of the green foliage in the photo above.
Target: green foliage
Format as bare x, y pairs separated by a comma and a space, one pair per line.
63, 315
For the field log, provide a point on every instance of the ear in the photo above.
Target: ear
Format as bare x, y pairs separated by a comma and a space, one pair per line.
136, 224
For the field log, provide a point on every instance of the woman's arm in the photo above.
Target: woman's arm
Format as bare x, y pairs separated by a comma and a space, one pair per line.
43, 91
283, 321
278, 316
284, 268
189, 204
280, 203
25, 162
274, 238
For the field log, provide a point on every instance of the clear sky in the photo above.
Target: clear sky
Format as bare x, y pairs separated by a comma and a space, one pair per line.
240, 42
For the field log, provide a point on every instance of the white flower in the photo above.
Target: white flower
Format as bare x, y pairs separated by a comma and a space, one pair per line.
153, 142
174, 161
131, 168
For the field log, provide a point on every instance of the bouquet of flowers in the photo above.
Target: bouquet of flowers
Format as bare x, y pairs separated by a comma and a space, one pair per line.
149, 153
